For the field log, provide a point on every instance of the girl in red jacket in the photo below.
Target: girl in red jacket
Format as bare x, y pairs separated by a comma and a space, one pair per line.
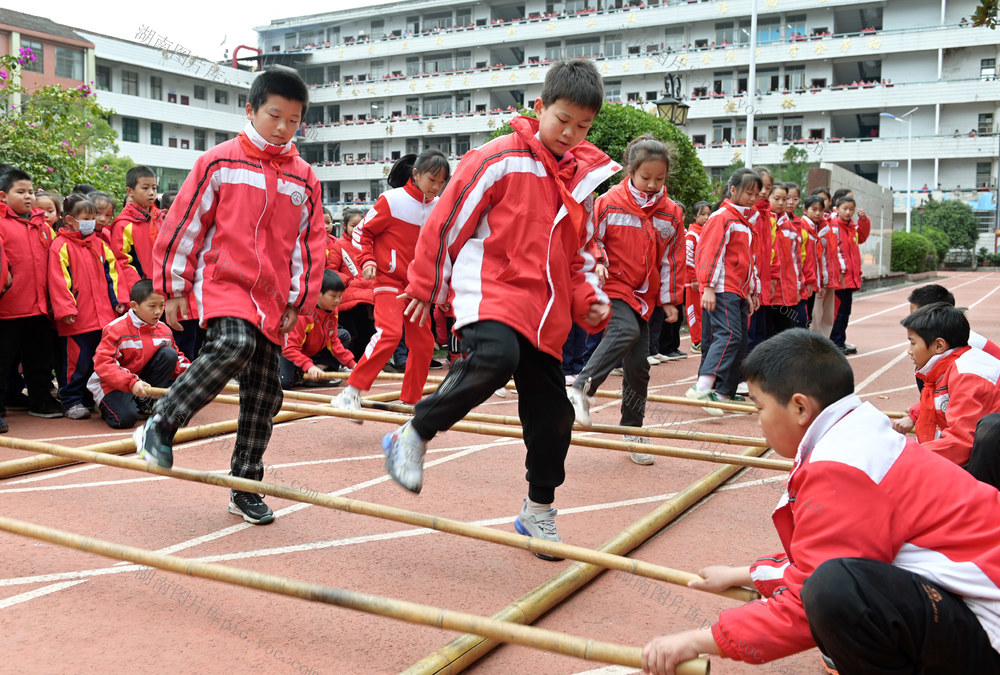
851, 235
812, 258
786, 259
730, 287
387, 238
762, 253
358, 306
692, 296
88, 290
640, 232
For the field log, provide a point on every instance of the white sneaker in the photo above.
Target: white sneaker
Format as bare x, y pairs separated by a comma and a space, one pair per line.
570, 379
618, 371
349, 399
742, 389
404, 457
662, 358
581, 406
653, 360
639, 457
541, 525
696, 395
501, 392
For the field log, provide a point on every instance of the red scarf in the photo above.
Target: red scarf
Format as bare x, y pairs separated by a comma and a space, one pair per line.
563, 176
76, 238
135, 213
272, 154
926, 425
626, 197
42, 228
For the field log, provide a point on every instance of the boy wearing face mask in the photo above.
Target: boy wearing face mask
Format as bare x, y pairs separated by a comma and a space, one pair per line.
87, 290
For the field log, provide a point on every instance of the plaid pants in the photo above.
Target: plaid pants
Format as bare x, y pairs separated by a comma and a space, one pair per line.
232, 348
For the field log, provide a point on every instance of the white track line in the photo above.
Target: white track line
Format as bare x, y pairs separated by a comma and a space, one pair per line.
37, 593
997, 288
878, 373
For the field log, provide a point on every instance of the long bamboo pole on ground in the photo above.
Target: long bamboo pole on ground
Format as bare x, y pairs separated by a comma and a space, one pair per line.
411, 612
466, 650
310, 496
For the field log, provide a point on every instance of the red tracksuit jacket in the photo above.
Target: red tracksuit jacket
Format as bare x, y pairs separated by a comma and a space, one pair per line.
763, 244
725, 258
132, 235
502, 245
86, 281
314, 332
787, 261
387, 237
859, 489
26, 244
245, 235
127, 344
812, 274
850, 236
359, 291
644, 247
833, 264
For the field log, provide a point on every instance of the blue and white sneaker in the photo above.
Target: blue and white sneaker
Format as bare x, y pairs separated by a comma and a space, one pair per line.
404, 457
154, 441
541, 525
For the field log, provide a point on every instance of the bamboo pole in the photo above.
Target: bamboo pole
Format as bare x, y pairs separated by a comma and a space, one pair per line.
411, 612
307, 496
466, 650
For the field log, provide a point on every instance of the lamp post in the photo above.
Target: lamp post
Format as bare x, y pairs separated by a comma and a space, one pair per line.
909, 158
672, 107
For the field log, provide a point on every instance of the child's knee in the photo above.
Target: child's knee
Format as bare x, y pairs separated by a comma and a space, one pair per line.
823, 593
235, 347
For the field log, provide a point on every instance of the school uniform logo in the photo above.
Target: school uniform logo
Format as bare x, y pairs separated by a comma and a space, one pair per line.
297, 198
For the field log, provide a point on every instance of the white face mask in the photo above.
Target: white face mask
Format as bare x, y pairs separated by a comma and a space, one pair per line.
87, 227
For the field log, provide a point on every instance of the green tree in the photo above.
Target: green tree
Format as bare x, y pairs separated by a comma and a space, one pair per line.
618, 124
955, 218
986, 14
795, 169
53, 131
940, 241
911, 252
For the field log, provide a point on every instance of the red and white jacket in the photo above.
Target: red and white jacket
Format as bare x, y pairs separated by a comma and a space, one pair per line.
245, 234
313, 333
831, 259
787, 260
982, 342
763, 245
726, 257
859, 489
127, 344
812, 250
691, 239
26, 244
86, 281
387, 236
502, 245
849, 237
132, 235
641, 241
338, 262
359, 291
947, 426
4, 268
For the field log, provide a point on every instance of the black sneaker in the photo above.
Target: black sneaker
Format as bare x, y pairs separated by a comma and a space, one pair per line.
4, 427
850, 349
436, 365
154, 441
251, 507
145, 406
676, 355
18, 401
48, 410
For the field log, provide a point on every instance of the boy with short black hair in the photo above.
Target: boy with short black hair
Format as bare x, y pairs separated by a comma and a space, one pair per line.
529, 192
958, 415
249, 218
870, 574
849, 238
136, 352
26, 333
931, 293
317, 344
137, 226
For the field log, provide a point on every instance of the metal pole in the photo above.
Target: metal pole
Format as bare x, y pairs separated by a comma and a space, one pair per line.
751, 84
909, 171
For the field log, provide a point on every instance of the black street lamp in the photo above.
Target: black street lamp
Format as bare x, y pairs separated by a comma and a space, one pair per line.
671, 107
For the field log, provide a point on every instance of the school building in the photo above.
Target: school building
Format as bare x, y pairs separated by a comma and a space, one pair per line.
398, 77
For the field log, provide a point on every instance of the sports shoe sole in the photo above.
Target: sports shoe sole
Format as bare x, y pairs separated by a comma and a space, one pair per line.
641, 458
386, 449
523, 530
235, 510
340, 407
46, 415
159, 459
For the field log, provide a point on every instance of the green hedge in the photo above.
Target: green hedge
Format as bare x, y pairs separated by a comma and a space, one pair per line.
939, 240
911, 252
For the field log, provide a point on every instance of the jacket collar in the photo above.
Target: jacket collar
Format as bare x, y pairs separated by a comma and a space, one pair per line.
820, 426
262, 144
938, 363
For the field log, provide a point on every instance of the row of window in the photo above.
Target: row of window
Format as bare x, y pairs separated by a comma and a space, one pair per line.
69, 61
130, 87
330, 152
130, 133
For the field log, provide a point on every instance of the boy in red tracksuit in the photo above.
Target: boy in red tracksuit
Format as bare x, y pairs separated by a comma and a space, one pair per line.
25, 330
811, 271
891, 553
505, 248
316, 343
832, 266
639, 233
692, 296
245, 237
137, 351
958, 416
931, 293
88, 290
787, 260
387, 238
850, 236
757, 331
135, 229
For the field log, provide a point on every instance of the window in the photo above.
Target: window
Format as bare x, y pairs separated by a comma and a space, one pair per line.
795, 78
38, 50
698, 139
172, 142
988, 69
69, 63
291, 40
437, 63
377, 151
412, 106
185, 144
413, 24
553, 50
378, 29
984, 174
376, 70
766, 131
130, 129
613, 91
378, 110
130, 83
722, 131
463, 143
199, 140
332, 190
674, 38
724, 32
156, 88
241, 101
442, 143
437, 21
199, 92
722, 83
314, 75
767, 80
313, 116
768, 31
412, 65
792, 128
463, 17
103, 81
221, 137
184, 99
437, 106
412, 146
171, 97
156, 133
221, 96
986, 123
463, 102
576, 5
583, 48
795, 25
612, 49
463, 60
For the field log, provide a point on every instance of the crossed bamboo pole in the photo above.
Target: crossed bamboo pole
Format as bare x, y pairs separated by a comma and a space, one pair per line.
412, 612
307, 496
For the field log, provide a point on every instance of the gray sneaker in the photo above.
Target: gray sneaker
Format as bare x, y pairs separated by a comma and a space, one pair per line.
348, 400
77, 411
541, 525
581, 406
639, 457
404, 457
